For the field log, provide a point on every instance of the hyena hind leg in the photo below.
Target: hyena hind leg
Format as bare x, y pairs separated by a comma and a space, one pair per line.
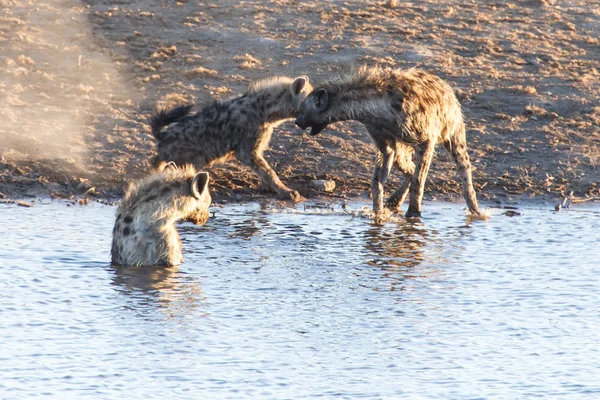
383, 165
268, 177
458, 149
406, 165
424, 156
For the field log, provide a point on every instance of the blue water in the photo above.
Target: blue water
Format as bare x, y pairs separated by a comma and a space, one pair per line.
276, 304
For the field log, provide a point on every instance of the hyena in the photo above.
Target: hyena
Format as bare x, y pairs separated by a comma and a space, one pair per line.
144, 232
405, 112
240, 128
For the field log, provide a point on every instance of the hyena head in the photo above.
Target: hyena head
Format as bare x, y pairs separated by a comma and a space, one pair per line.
313, 111
178, 192
282, 96
190, 192
201, 194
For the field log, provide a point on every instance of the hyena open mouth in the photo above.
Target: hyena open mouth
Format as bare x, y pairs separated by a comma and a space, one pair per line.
315, 129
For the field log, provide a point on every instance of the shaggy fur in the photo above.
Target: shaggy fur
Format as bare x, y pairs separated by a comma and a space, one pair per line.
239, 128
405, 112
144, 232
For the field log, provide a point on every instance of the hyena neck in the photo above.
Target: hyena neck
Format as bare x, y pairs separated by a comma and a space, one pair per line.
275, 102
164, 238
156, 224
359, 110
164, 224
169, 238
360, 103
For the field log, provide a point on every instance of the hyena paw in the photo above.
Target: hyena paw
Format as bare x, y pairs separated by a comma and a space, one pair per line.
392, 205
412, 214
291, 195
380, 217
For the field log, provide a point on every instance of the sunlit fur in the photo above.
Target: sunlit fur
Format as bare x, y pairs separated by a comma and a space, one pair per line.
144, 231
238, 128
405, 112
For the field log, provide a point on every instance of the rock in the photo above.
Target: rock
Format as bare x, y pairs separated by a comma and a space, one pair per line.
322, 185
83, 186
511, 213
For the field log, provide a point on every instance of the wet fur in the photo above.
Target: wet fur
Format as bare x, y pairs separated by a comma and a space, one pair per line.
144, 231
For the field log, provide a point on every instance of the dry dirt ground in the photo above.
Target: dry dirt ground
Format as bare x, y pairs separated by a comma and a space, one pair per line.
78, 80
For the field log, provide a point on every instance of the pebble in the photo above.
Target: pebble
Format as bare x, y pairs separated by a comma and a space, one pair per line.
322, 185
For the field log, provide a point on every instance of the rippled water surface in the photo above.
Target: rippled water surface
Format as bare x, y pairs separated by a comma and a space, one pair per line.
283, 305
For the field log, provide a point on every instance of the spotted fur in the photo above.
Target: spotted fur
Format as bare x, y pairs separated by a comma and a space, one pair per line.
144, 233
406, 112
238, 128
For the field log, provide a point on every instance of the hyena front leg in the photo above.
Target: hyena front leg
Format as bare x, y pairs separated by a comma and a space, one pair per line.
458, 148
424, 155
383, 165
406, 165
268, 178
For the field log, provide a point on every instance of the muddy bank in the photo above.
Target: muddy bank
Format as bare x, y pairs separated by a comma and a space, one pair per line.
79, 79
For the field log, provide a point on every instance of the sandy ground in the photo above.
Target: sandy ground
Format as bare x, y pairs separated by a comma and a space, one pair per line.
79, 78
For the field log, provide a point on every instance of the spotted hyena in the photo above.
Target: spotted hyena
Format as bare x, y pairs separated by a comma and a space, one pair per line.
144, 232
238, 128
405, 112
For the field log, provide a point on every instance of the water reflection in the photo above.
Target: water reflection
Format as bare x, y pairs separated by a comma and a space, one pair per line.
230, 225
397, 247
398, 250
164, 288
248, 228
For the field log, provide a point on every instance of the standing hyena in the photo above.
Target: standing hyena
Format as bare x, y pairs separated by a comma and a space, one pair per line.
404, 112
240, 127
144, 232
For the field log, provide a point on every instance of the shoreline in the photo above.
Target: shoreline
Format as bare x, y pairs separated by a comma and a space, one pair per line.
318, 201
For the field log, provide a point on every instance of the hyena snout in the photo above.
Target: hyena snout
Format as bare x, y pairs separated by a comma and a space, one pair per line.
315, 128
301, 122
199, 217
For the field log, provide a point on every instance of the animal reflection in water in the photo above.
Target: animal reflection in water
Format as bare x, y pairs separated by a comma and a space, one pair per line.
248, 228
165, 288
244, 229
398, 249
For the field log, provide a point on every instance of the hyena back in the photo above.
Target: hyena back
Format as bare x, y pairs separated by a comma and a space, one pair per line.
405, 112
238, 128
144, 233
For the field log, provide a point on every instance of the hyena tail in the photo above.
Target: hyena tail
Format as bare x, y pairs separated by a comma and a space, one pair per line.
457, 146
162, 118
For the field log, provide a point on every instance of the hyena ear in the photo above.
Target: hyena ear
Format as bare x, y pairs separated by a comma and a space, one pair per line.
322, 99
170, 166
200, 184
298, 84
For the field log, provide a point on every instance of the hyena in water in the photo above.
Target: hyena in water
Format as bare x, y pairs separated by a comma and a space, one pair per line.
144, 232
240, 128
404, 111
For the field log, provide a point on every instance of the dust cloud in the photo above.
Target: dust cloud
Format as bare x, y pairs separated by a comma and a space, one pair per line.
54, 80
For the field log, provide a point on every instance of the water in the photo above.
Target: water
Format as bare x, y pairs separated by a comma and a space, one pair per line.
282, 305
